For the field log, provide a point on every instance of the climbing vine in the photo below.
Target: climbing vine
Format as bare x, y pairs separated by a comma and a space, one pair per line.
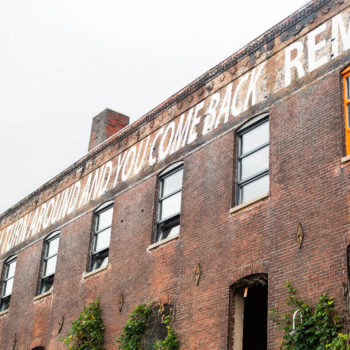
170, 342
139, 328
87, 330
315, 328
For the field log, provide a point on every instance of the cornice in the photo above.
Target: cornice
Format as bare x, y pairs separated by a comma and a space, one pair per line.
247, 50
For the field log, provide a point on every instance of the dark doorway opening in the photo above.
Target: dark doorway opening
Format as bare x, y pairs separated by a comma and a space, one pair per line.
248, 313
255, 318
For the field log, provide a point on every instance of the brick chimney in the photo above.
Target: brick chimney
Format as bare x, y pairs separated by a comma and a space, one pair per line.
106, 124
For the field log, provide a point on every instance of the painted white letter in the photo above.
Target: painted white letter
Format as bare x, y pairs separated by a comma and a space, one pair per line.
289, 63
138, 166
104, 180
210, 116
119, 167
338, 23
313, 47
164, 152
73, 200
151, 159
237, 110
125, 174
225, 106
195, 121
181, 133
252, 85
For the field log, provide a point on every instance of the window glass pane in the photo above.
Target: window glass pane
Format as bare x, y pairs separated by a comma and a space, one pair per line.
170, 206
8, 287
5, 303
99, 261
255, 138
105, 219
348, 108
169, 228
52, 247
46, 284
102, 240
173, 231
255, 163
11, 269
172, 183
348, 87
50, 266
255, 189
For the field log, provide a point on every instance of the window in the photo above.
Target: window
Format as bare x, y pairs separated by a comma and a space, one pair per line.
169, 202
7, 282
253, 160
346, 85
101, 236
157, 329
48, 266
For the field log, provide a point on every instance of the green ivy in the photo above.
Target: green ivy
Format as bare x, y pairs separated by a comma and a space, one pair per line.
170, 342
316, 328
87, 331
138, 324
135, 327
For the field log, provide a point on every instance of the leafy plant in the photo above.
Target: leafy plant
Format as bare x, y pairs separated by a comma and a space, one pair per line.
137, 326
170, 342
316, 328
87, 331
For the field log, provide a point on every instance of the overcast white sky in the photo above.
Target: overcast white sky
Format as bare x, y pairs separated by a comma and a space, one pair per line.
64, 61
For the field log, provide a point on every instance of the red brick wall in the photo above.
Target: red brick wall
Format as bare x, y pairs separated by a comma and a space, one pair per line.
308, 185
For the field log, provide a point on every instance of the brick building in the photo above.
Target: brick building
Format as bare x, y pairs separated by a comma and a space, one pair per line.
210, 202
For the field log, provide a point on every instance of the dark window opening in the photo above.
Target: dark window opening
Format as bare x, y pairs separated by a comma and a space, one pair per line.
157, 328
249, 313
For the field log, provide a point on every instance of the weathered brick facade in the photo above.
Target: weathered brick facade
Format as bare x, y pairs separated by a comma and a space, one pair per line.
309, 177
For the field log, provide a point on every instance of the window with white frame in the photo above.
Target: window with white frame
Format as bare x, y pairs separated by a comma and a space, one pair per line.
253, 159
8, 277
101, 236
169, 202
48, 266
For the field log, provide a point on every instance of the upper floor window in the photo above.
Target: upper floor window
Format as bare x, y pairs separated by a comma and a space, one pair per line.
253, 160
169, 202
48, 267
101, 236
7, 282
346, 85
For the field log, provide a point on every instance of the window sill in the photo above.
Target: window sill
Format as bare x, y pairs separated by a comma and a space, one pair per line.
2, 313
94, 272
247, 204
162, 242
42, 295
345, 159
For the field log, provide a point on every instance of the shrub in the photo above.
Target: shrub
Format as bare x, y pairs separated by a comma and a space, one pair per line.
87, 331
316, 328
